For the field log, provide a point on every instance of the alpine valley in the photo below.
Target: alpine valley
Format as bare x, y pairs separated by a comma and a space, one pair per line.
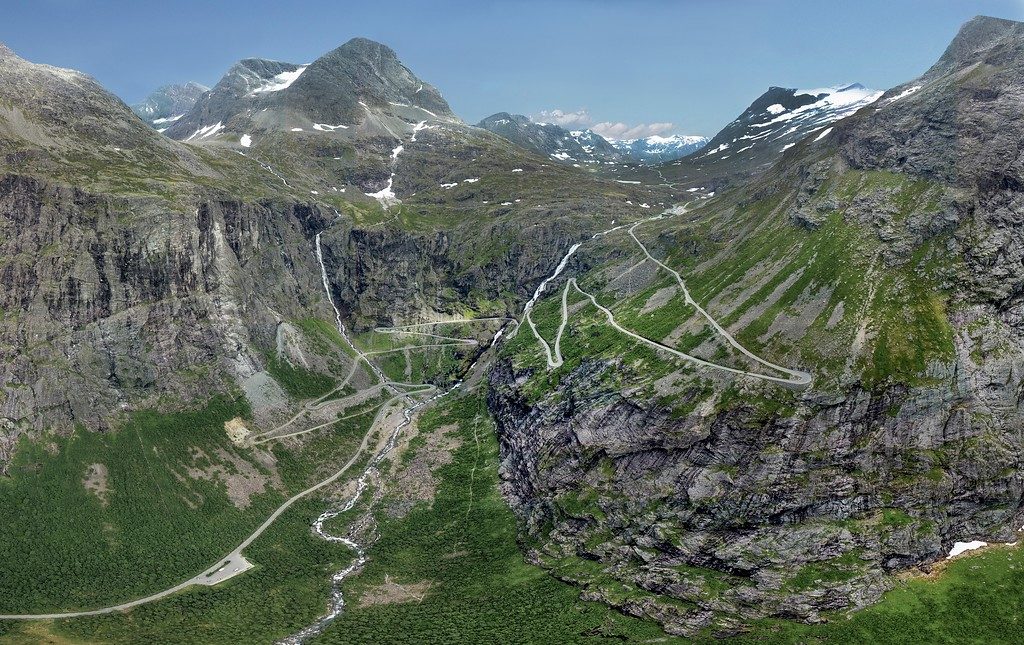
305, 357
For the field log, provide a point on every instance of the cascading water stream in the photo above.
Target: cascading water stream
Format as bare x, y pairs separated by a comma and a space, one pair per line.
337, 602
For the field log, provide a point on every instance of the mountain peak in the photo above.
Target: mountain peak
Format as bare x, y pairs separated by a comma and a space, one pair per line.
990, 23
341, 87
367, 47
502, 118
773, 123
169, 103
368, 71
787, 97
977, 36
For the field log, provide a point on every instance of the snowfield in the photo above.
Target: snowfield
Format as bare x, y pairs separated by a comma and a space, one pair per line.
281, 81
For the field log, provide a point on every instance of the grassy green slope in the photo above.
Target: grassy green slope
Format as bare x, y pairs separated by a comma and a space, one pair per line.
976, 599
464, 546
63, 548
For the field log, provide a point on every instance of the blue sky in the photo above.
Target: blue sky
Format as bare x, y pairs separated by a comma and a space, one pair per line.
692, 64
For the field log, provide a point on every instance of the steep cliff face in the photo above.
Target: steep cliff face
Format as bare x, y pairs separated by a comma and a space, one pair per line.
111, 302
882, 259
388, 276
729, 515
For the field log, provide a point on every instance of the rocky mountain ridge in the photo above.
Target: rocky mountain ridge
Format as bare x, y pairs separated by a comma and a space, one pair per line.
339, 89
772, 124
550, 140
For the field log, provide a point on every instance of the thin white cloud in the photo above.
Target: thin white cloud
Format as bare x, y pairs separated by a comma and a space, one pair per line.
575, 119
581, 119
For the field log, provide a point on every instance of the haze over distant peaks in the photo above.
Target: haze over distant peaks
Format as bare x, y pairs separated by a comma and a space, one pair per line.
659, 149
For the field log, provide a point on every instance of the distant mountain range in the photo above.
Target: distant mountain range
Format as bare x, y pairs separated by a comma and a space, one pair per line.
656, 149
579, 146
586, 146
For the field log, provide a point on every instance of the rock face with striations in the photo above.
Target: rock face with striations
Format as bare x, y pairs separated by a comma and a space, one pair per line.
734, 510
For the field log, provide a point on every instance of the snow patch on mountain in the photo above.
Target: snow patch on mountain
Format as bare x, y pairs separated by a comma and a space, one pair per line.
781, 117
280, 81
206, 131
323, 127
904, 94
963, 547
656, 149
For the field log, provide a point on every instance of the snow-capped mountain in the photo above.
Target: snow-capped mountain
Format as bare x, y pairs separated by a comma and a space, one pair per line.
657, 149
169, 103
773, 123
335, 91
587, 146
576, 146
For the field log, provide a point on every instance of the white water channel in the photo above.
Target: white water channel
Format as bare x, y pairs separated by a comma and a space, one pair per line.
337, 601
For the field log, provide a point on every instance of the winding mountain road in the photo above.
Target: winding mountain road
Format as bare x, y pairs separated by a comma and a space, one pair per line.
234, 562
795, 379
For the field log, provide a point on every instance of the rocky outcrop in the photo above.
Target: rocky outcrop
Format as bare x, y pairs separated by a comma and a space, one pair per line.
740, 516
